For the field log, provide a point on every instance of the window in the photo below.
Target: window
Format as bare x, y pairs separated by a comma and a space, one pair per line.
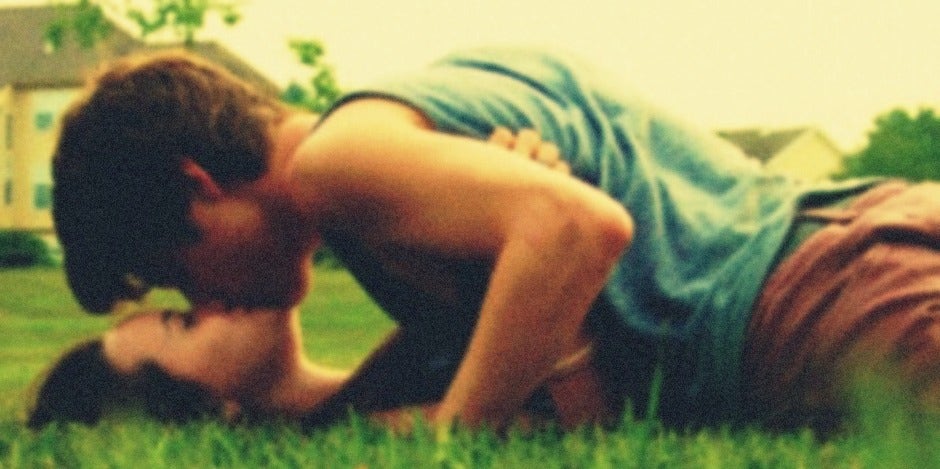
43, 121
42, 196
6, 160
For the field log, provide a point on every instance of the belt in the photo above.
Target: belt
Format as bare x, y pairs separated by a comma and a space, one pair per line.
812, 217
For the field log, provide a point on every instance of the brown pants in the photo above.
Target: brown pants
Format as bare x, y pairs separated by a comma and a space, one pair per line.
861, 294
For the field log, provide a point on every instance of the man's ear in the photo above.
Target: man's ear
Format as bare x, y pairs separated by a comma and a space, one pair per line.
201, 180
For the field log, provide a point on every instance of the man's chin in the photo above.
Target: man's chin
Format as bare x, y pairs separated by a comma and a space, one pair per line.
282, 298
284, 295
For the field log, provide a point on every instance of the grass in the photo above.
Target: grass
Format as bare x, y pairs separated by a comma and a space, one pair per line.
38, 319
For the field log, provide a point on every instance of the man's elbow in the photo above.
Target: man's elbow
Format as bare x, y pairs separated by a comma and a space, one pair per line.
611, 229
592, 228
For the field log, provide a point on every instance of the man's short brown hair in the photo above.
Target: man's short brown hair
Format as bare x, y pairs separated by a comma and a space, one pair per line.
120, 200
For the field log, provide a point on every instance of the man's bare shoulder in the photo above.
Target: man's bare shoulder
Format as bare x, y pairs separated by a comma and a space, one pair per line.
353, 167
363, 112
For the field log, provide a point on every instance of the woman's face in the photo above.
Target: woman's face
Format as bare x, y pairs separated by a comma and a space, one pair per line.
233, 353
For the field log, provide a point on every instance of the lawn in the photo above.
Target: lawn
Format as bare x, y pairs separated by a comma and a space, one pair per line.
38, 319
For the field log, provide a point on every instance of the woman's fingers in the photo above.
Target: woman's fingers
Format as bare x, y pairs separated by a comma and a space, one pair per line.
528, 143
502, 137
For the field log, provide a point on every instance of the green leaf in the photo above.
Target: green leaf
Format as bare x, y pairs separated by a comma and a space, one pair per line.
902, 145
54, 35
184, 18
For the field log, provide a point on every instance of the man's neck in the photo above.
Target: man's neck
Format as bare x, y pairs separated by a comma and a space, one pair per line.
288, 135
288, 138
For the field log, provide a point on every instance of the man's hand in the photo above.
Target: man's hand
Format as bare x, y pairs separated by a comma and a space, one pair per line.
529, 144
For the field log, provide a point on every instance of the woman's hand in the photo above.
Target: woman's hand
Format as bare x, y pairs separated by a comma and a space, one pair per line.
528, 143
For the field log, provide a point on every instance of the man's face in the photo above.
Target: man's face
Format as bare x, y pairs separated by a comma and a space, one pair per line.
249, 254
231, 353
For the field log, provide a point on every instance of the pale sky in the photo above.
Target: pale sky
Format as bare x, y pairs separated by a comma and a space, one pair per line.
721, 63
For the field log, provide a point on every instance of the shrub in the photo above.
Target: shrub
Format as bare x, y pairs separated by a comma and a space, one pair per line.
23, 249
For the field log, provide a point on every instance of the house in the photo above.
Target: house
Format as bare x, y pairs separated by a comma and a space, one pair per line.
804, 152
35, 87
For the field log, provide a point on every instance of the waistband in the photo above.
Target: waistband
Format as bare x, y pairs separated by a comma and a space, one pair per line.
813, 216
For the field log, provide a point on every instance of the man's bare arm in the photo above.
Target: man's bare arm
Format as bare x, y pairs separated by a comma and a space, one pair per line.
553, 240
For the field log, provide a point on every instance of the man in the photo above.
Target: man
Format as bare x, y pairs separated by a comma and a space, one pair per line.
495, 265
243, 235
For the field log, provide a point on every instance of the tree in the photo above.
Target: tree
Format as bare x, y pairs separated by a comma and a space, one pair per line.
183, 18
321, 91
87, 23
902, 144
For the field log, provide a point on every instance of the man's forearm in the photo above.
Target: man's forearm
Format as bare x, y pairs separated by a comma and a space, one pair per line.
542, 287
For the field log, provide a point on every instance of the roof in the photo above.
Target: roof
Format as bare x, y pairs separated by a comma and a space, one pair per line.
761, 143
25, 63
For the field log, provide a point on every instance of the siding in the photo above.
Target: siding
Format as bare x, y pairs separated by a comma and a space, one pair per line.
6, 156
36, 117
810, 156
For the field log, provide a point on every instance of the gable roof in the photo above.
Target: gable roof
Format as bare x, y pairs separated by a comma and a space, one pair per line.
761, 143
24, 61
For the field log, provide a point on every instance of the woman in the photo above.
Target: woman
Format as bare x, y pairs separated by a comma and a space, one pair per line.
250, 365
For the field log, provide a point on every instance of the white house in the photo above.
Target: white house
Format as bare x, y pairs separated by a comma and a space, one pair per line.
35, 87
804, 152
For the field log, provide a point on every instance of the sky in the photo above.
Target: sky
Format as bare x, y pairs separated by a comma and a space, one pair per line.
722, 64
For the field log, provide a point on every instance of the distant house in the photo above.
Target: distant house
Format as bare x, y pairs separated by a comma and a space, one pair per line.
36, 86
804, 152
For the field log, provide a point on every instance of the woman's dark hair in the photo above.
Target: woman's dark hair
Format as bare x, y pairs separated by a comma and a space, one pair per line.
82, 386
120, 199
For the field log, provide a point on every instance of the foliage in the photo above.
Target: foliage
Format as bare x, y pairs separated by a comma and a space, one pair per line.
902, 144
23, 249
321, 91
184, 17
88, 21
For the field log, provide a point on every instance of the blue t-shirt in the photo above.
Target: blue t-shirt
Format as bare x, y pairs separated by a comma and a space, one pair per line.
708, 220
